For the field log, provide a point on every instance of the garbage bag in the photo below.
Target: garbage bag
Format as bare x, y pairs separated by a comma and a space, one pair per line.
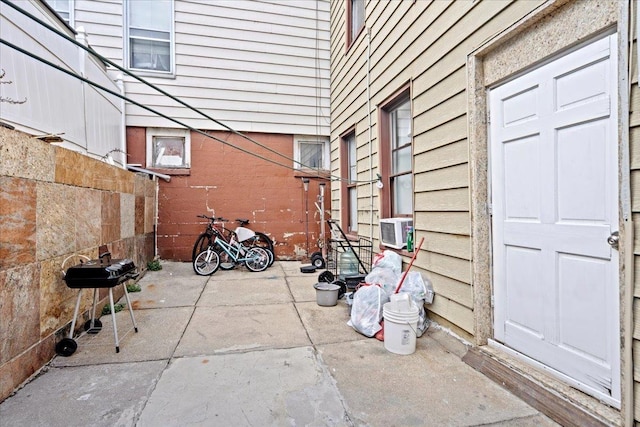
385, 277
388, 259
420, 289
423, 322
421, 292
366, 311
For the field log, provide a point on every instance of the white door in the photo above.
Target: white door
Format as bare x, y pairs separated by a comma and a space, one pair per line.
554, 184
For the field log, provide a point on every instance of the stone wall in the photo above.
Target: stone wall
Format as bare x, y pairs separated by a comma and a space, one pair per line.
55, 203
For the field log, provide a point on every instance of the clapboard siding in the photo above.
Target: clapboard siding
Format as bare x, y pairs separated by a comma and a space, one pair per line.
103, 21
452, 154
453, 130
440, 179
258, 66
453, 289
425, 43
634, 159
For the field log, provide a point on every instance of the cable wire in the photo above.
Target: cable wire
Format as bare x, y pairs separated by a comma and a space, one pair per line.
90, 50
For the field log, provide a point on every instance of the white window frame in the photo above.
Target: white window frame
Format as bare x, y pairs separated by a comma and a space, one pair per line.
165, 132
127, 45
301, 139
71, 21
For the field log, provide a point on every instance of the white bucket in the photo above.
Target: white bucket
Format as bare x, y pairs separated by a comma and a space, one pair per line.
400, 328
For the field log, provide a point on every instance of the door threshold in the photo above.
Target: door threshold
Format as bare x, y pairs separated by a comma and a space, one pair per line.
562, 403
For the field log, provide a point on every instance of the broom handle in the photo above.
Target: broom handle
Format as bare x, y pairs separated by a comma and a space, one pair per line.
413, 258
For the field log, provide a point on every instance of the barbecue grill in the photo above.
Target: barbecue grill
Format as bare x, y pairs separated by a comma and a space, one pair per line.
97, 273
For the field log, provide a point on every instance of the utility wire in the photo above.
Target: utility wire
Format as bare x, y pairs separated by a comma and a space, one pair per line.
163, 92
129, 73
119, 95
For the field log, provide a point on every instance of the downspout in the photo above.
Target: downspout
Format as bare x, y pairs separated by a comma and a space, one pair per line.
123, 121
369, 130
81, 37
626, 31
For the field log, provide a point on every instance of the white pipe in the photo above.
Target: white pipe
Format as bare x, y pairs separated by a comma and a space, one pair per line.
150, 172
627, 17
369, 130
123, 121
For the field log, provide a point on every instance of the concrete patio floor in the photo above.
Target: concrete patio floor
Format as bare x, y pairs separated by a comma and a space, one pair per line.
255, 349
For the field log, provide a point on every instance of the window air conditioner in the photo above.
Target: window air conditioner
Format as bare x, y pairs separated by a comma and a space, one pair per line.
393, 232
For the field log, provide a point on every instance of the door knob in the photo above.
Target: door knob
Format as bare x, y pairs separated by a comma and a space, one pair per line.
613, 239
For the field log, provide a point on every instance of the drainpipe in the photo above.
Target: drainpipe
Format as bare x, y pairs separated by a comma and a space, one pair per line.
123, 121
369, 130
627, 18
81, 37
155, 220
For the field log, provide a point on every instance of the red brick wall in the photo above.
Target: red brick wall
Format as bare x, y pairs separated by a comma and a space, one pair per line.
224, 181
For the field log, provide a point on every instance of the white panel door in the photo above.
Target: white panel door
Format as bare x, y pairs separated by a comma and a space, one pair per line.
554, 191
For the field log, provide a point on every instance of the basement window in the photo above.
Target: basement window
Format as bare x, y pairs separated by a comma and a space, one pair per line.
168, 148
311, 152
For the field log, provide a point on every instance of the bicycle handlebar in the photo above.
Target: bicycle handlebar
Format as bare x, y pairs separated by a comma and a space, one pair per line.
211, 218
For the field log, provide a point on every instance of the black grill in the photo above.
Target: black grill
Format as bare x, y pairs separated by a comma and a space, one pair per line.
98, 273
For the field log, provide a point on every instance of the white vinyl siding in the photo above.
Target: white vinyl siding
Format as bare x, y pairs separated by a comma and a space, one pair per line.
258, 66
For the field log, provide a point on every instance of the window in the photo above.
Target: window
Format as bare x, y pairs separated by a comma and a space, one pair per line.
64, 8
168, 148
311, 152
396, 157
150, 35
355, 19
349, 176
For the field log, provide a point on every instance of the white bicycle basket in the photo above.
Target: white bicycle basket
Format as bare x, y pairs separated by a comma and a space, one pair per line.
244, 234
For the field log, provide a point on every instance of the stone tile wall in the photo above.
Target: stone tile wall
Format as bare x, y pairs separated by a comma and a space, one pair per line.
55, 203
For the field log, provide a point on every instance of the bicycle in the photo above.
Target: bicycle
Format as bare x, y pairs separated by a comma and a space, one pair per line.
207, 262
260, 239
205, 239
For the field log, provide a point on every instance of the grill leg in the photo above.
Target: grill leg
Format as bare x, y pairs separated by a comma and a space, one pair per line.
75, 315
93, 309
126, 295
113, 318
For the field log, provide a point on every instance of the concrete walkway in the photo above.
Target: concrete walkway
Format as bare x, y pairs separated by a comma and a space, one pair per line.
254, 349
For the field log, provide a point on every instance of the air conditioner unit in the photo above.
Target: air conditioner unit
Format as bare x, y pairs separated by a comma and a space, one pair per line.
393, 232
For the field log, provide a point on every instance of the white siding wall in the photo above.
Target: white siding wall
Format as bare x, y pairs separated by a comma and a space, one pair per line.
253, 65
89, 120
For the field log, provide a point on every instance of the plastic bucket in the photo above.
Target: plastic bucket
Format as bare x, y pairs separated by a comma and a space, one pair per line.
400, 328
326, 294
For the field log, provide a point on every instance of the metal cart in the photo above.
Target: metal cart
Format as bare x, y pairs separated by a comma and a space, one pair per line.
338, 244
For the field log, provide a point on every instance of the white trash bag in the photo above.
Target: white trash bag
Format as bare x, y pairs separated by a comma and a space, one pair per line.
385, 277
388, 259
421, 293
366, 311
415, 285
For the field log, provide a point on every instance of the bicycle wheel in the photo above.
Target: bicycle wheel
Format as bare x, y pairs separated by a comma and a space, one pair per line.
263, 241
206, 262
202, 243
271, 256
257, 259
226, 261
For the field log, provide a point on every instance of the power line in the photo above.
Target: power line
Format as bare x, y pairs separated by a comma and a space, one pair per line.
163, 92
119, 95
